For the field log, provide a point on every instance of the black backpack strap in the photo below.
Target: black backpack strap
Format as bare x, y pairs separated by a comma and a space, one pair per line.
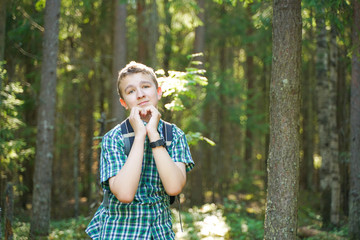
168, 134
128, 134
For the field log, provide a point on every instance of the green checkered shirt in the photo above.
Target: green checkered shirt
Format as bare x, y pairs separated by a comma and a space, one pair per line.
148, 216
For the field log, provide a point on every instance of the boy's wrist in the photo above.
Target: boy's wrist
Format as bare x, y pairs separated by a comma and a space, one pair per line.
153, 136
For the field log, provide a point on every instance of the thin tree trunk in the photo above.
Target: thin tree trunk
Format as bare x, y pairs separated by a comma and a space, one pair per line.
335, 168
285, 97
142, 31
119, 58
197, 196
2, 34
153, 37
328, 137
168, 37
76, 146
40, 221
199, 41
249, 75
354, 205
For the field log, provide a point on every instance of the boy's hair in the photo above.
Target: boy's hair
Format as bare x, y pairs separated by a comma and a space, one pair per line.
132, 68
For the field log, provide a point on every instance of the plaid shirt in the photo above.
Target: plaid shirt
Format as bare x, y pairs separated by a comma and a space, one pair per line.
148, 216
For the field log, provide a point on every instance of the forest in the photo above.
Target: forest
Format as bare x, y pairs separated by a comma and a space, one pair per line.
267, 92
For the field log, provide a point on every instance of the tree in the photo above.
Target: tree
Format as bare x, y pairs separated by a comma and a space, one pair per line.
41, 204
119, 57
354, 211
2, 33
285, 97
328, 137
142, 54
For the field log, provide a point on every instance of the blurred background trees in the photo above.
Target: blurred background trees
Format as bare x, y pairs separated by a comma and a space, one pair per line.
97, 38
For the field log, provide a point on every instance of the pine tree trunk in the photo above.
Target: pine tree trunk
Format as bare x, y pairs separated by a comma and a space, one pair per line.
285, 97
40, 221
168, 37
119, 59
328, 137
2, 34
142, 31
197, 197
335, 169
153, 37
249, 75
354, 205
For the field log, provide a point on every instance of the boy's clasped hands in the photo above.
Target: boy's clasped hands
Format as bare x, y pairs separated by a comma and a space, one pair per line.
149, 114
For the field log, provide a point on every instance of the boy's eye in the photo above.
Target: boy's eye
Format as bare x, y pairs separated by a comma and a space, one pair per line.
146, 86
130, 91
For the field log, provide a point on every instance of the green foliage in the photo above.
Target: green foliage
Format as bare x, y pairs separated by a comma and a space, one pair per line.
66, 229
186, 92
183, 87
13, 148
243, 225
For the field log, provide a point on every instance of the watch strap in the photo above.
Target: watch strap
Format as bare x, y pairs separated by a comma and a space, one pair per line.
158, 143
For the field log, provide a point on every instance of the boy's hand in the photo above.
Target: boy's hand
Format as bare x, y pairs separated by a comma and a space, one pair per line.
136, 122
152, 116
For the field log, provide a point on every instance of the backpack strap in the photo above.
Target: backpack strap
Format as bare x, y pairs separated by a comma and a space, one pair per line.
168, 134
128, 134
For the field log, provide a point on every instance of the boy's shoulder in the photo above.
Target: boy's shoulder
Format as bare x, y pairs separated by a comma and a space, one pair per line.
176, 131
115, 132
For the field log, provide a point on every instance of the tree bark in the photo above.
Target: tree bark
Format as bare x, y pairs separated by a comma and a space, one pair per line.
335, 168
40, 221
2, 34
354, 205
142, 31
168, 37
197, 197
328, 137
285, 97
119, 58
153, 35
250, 77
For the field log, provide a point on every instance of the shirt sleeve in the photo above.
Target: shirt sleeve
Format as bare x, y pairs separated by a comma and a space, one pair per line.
179, 149
112, 157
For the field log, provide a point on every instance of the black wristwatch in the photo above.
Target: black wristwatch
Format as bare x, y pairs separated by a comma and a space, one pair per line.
158, 143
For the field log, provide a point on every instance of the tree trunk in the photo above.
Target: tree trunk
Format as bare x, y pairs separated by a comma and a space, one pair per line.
285, 97
40, 221
2, 34
307, 166
199, 41
76, 147
335, 168
197, 197
119, 58
250, 77
328, 137
168, 37
141, 30
354, 208
153, 36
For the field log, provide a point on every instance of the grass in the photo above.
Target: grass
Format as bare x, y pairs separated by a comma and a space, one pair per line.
239, 217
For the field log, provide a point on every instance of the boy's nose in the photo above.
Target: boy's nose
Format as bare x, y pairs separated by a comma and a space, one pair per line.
140, 93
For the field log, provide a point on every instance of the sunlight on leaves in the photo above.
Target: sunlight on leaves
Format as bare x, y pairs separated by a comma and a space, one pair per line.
208, 221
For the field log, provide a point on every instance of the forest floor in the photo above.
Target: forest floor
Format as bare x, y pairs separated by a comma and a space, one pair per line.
239, 216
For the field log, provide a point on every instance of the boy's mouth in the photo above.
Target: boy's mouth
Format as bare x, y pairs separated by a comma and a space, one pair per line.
143, 103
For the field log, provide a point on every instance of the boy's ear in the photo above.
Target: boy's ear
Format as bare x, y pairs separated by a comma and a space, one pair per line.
123, 103
159, 92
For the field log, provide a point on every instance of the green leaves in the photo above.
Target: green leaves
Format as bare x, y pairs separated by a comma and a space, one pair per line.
182, 86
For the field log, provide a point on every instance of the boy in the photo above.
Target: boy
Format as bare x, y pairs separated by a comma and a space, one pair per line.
140, 183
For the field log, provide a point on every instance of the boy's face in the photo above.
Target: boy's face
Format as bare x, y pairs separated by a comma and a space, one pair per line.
139, 90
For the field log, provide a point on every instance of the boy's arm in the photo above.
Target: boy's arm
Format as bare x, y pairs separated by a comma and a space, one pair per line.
172, 174
125, 183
